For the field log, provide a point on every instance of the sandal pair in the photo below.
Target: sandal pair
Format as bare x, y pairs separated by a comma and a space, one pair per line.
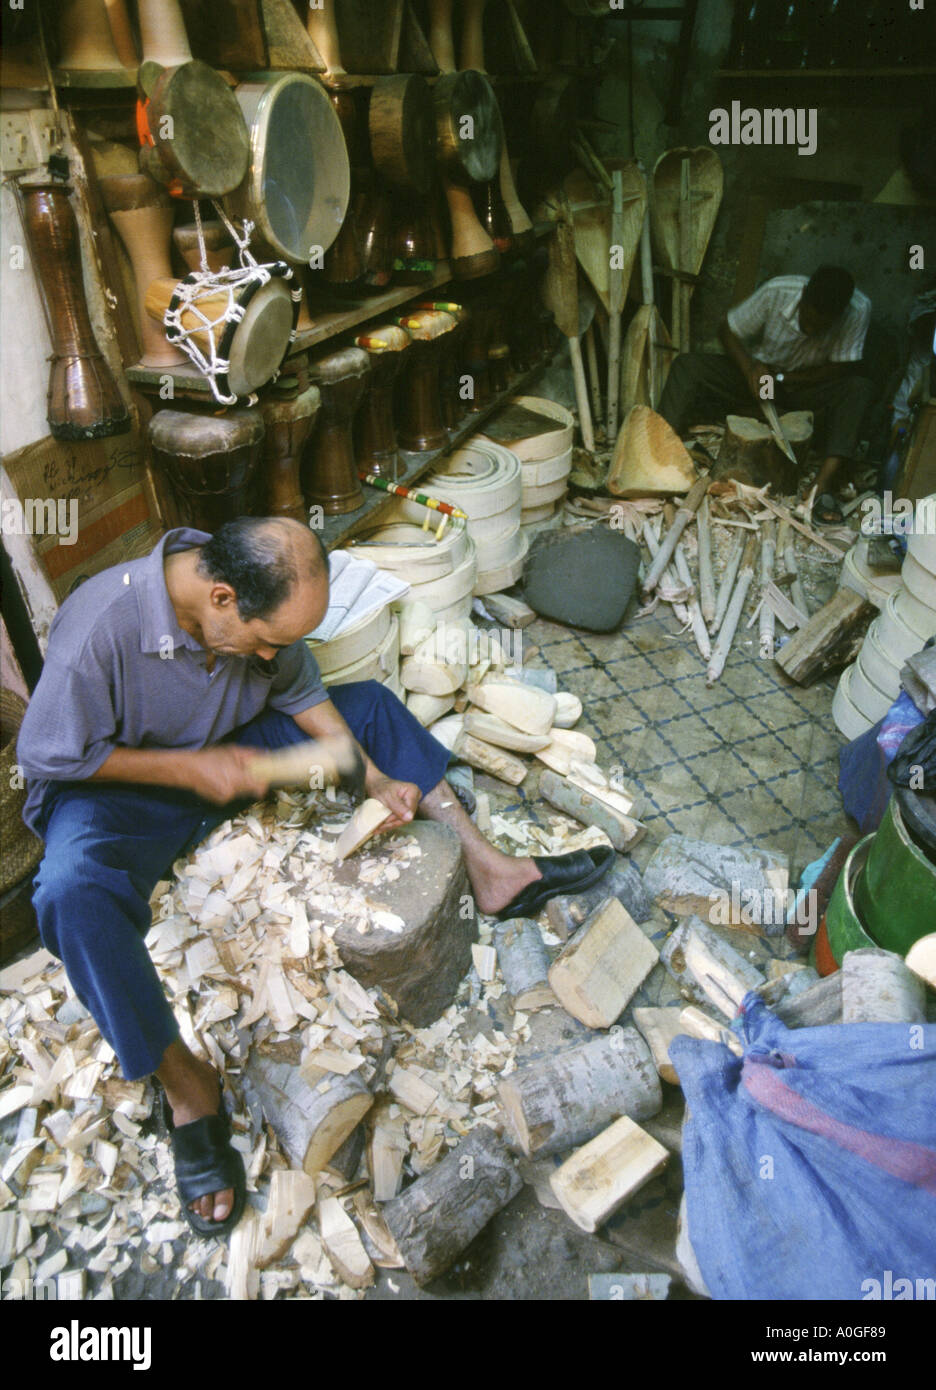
204, 1162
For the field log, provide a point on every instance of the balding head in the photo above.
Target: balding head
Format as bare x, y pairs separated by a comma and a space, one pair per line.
264, 560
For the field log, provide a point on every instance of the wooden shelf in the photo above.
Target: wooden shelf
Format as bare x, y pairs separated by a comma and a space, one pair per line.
338, 529
834, 73
331, 319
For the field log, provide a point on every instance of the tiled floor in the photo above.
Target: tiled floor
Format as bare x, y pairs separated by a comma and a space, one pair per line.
754, 757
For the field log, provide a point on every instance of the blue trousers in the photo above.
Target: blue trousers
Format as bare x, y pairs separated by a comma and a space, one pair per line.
107, 845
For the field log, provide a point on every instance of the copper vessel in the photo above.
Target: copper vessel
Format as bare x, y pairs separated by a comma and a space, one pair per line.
83, 401
328, 471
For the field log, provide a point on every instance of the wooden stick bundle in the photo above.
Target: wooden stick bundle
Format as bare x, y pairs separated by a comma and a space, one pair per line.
686, 511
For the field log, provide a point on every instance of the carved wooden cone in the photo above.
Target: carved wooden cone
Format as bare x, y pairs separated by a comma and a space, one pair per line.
311, 1122
523, 234
440, 34
440, 1214
289, 422
83, 401
473, 252
329, 470
322, 27
421, 426
121, 32
162, 33
142, 212
85, 37
564, 1100
471, 51
377, 449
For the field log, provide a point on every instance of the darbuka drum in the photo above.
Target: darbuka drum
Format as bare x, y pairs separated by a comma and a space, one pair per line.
421, 426
387, 348
193, 137
211, 462
83, 401
298, 183
289, 419
465, 101
241, 330
142, 213
452, 405
329, 470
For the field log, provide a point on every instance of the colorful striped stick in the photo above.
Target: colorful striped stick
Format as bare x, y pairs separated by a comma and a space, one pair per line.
422, 498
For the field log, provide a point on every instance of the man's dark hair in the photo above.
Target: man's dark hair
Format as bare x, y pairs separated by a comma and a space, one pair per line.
830, 290
258, 558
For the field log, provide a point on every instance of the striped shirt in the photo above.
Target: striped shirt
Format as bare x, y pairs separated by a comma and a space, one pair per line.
121, 673
768, 325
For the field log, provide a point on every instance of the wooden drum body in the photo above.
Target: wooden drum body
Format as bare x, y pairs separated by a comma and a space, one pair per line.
329, 472
142, 213
162, 33
421, 425
298, 183
211, 462
402, 129
289, 422
450, 401
387, 347
83, 400
468, 130
85, 37
192, 133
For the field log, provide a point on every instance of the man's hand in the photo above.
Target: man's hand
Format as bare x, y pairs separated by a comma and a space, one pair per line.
224, 773
755, 371
401, 798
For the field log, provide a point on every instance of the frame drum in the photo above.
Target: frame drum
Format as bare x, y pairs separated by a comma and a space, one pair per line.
201, 150
298, 182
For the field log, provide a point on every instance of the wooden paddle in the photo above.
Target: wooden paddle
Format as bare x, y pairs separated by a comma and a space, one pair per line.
560, 294
687, 192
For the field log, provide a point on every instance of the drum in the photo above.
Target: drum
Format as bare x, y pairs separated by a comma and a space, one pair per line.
288, 420
465, 101
421, 426
211, 462
450, 401
219, 249
162, 33
329, 471
344, 261
241, 330
377, 451
322, 28
193, 137
83, 401
85, 39
298, 182
142, 213
402, 127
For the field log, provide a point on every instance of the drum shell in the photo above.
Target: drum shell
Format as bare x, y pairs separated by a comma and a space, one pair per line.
461, 94
288, 424
207, 154
211, 463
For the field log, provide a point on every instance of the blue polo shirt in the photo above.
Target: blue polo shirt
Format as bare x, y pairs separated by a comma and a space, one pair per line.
121, 673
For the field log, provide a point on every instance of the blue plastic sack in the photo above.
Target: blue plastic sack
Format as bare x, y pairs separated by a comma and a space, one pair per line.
810, 1163
863, 763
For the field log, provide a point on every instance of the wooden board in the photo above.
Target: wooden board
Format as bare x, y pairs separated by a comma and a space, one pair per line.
831, 638
706, 181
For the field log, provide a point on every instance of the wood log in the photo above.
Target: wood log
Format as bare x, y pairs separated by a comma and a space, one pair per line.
832, 638
526, 707
589, 778
789, 614
343, 1245
877, 987
311, 1122
726, 587
600, 1177
749, 454
512, 612
706, 573
365, 822
815, 1007
292, 1197
428, 708
698, 1024
733, 613
486, 758
524, 963
659, 1027
766, 627
696, 620
706, 969
314, 763
686, 511
787, 550
503, 735
568, 710
622, 831
568, 911
564, 1100
921, 959
417, 622
440, 1214
602, 966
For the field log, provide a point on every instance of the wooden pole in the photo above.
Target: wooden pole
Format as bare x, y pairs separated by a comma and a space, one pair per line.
616, 292
696, 621
727, 584
682, 291
687, 510
706, 573
593, 378
768, 551
727, 630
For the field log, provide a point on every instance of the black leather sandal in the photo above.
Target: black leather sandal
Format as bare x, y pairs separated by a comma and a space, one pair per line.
563, 873
204, 1162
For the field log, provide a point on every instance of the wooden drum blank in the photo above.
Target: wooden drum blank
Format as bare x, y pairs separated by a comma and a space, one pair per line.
329, 470
142, 213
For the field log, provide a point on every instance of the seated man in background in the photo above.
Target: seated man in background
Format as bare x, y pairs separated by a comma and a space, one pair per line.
808, 335
162, 677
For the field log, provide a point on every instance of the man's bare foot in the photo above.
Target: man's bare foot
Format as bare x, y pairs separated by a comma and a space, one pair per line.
497, 883
192, 1090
